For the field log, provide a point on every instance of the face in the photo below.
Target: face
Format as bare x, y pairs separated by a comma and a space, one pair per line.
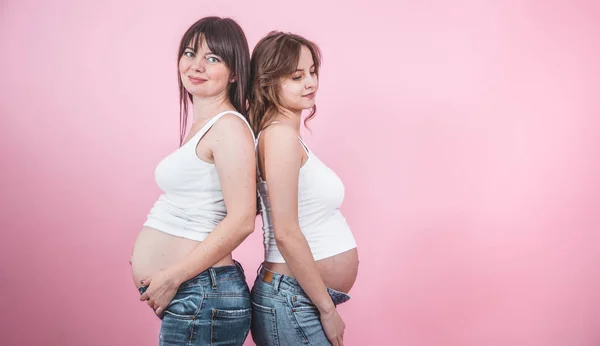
203, 73
298, 91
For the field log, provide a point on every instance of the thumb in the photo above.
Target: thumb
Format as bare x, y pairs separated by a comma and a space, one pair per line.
146, 281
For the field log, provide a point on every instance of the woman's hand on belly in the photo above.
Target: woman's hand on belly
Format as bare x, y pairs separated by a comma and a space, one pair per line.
161, 290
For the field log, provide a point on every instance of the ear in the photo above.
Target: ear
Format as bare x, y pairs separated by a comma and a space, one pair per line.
232, 79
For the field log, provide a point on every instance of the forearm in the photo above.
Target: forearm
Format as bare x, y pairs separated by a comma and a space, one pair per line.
298, 257
226, 236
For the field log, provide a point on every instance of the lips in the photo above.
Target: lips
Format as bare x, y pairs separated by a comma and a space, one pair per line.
196, 80
309, 96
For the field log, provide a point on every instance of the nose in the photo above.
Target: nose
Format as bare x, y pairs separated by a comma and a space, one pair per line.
198, 64
311, 82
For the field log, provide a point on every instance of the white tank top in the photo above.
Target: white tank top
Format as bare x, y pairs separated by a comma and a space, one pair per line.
320, 195
191, 204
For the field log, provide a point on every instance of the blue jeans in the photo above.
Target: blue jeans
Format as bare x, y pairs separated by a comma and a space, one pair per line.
282, 313
212, 308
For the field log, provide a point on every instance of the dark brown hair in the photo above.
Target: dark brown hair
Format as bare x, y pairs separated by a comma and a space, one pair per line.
226, 39
274, 57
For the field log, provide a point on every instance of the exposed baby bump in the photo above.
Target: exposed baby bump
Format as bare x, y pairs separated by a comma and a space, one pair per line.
155, 250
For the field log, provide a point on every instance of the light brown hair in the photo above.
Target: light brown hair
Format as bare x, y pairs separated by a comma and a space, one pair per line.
275, 56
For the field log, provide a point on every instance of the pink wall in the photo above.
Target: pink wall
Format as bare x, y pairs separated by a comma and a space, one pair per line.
466, 134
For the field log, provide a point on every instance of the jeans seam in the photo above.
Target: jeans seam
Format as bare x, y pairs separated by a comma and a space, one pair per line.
193, 326
227, 295
290, 310
266, 295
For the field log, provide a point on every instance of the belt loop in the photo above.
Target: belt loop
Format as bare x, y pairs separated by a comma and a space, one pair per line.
238, 265
260, 267
213, 277
240, 268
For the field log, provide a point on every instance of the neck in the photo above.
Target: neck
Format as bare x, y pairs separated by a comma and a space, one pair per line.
207, 107
289, 117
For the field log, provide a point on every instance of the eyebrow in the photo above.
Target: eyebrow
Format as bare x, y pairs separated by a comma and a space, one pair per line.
207, 53
300, 70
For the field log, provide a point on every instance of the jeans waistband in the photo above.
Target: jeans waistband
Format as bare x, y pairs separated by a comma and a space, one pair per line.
279, 281
290, 284
212, 276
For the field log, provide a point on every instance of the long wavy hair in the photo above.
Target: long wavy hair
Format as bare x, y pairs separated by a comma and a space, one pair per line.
274, 57
226, 39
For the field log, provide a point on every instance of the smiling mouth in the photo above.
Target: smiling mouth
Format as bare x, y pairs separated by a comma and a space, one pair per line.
196, 80
309, 95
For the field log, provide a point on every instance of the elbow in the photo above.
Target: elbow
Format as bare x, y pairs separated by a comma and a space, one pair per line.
283, 236
247, 224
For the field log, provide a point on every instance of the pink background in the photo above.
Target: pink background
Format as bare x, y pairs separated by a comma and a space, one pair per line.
467, 133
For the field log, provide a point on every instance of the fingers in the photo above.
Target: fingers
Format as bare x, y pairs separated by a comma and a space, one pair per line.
159, 311
338, 340
145, 282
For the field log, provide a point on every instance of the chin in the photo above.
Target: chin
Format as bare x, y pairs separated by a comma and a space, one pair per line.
200, 93
309, 105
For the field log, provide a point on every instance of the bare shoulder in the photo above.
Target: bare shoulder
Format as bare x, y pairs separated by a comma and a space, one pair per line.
280, 143
231, 124
279, 136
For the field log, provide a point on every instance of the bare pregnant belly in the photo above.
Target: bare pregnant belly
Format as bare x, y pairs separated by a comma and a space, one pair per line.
338, 272
154, 251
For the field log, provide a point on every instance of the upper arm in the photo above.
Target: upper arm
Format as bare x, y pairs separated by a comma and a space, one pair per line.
282, 162
234, 157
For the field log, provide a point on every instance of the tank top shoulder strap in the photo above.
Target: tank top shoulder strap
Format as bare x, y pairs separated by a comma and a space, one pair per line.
304, 146
258, 175
258, 135
256, 147
198, 136
220, 115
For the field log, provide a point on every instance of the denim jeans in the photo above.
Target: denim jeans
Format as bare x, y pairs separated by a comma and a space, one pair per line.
212, 308
282, 313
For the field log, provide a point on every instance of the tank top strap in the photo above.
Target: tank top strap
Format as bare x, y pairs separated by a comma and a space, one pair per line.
258, 135
258, 175
198, 136
304, 146
220, 115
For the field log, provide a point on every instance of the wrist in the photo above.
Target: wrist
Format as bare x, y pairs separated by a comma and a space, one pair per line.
176, 275
326, 307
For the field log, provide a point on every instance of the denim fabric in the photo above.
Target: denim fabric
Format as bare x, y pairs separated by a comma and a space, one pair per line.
283, 314
213, 308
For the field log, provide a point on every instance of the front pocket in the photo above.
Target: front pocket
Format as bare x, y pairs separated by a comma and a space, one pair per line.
337, 296
230, 327
301, 303
186, 305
